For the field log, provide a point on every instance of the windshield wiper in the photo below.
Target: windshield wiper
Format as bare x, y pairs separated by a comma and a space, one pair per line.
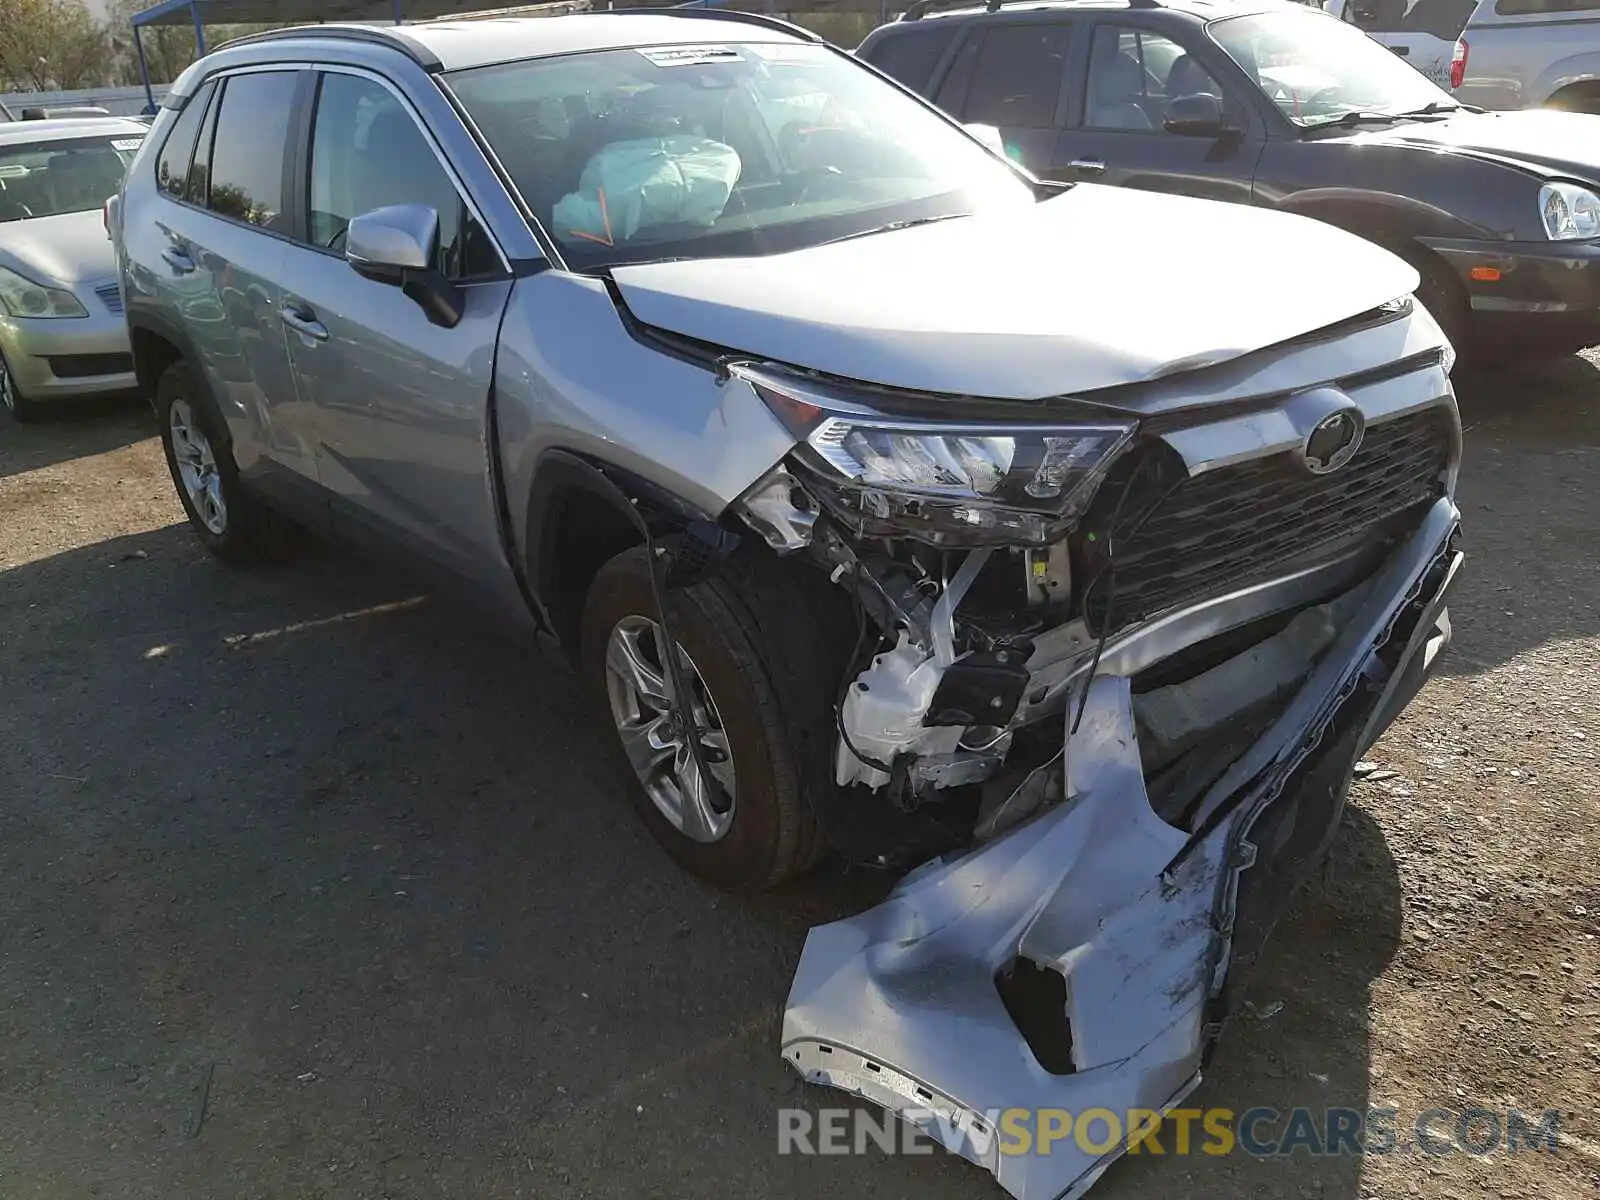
1432, 110
894, 226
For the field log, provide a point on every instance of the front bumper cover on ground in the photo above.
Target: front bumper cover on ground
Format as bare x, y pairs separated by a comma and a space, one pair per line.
1146, 925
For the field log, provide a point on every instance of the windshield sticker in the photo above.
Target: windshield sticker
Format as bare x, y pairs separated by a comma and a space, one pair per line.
691, 56
132, 143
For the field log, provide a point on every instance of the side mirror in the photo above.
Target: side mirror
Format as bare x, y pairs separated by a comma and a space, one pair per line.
1199, 115
396, 245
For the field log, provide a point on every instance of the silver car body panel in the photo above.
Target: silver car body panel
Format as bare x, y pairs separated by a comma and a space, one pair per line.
571, 377
981, 306
899, 1006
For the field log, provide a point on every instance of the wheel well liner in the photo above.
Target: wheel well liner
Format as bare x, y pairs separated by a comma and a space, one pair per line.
579, 518
156, 345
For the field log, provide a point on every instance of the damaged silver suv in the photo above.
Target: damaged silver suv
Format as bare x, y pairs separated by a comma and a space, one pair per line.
1061, 547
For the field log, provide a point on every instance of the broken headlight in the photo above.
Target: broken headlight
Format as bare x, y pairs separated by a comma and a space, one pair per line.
946, 482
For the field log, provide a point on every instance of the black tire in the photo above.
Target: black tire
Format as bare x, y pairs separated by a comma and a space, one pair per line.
21, 409
776, 713
250, 533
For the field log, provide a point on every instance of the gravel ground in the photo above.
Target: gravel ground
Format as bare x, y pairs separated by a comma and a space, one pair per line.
313, 887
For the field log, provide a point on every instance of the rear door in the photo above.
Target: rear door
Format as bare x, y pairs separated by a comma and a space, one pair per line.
220, 242
401, 405
1133, 71
1014, 75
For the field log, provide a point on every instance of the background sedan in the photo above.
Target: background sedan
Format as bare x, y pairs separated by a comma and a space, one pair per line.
62, 332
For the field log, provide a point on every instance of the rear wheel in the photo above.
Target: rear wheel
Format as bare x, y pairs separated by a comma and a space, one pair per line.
233, 524
748, 826
12, 399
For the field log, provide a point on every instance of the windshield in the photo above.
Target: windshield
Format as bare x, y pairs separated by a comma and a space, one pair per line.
1318, 70
46, 179
697, 151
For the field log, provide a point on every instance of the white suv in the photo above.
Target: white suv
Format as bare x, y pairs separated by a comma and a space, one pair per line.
1493, 53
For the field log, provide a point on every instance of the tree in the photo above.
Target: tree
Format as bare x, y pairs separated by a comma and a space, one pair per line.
50, 44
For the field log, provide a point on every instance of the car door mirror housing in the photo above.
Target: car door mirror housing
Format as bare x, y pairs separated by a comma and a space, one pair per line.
1199, 115
396, 245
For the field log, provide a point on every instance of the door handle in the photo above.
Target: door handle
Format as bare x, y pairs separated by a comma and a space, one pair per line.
1089, 166
1402, 51
302, 320
178, 260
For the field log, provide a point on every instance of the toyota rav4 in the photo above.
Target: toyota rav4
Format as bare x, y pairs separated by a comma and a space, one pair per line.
1058, 547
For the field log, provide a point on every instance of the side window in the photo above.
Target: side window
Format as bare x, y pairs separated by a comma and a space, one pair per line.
952, 95
912, 55
368, 152
247, 151
1017, 77
1132, 75
199, 187
172, 168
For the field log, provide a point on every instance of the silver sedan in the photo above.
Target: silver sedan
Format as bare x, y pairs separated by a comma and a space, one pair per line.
62, 332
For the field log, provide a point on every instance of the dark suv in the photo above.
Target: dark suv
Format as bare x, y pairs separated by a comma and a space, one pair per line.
1278, 105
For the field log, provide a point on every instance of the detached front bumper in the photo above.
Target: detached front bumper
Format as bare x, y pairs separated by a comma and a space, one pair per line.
1147, 926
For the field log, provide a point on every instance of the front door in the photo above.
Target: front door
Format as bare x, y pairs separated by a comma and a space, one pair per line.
402, 404
1133, 73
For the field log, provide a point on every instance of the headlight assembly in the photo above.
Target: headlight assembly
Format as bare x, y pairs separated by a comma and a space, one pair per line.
948, 483
23, 297
1569, 211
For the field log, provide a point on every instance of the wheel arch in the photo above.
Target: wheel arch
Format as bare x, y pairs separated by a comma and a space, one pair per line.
581, 513
156, 344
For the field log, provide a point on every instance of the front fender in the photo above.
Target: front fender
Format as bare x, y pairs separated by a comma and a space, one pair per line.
571, 377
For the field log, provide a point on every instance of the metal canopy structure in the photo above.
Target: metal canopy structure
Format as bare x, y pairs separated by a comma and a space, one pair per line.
199, 13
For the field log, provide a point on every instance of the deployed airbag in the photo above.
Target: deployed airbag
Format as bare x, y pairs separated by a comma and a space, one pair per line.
645, 182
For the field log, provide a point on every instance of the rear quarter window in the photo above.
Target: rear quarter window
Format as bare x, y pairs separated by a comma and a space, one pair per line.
911, 55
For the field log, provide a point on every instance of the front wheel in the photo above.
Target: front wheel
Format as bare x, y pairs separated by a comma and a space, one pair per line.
233, 524
748, 826
12, 400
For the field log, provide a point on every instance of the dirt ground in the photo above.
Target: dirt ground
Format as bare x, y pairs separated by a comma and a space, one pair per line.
313, 887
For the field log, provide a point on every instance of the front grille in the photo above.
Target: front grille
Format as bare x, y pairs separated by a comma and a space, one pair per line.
110, 295
1237, 525
85, 366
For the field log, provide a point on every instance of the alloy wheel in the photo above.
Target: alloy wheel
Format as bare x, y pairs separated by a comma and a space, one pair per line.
8, 388
197, 468
640, 695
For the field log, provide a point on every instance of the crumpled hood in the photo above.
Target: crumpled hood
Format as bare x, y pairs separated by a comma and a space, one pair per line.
1560, 143
1094, 288
69, 248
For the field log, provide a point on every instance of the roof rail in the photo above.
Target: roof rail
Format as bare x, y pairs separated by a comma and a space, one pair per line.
918, 9
391, 36
700, 8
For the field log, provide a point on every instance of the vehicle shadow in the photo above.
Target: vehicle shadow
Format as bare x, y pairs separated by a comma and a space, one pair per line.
80, 429
1530, 480
350, 868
